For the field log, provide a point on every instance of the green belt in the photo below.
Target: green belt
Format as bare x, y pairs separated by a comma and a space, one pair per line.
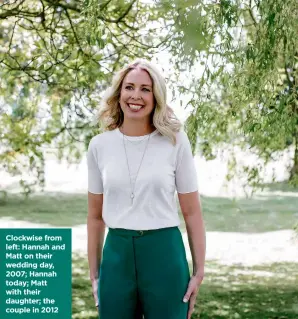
131, 232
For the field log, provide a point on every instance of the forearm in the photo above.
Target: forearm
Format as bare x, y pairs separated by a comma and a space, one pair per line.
197, 241
96, 233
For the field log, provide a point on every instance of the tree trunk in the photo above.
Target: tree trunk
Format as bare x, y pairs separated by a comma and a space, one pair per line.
294, 169
293, 88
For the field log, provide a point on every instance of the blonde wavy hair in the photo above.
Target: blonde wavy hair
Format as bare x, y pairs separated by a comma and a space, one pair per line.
110, 115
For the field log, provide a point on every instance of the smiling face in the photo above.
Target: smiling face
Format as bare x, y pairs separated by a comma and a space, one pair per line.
136, 96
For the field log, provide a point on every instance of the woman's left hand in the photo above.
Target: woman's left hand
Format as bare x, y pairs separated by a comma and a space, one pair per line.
192, 291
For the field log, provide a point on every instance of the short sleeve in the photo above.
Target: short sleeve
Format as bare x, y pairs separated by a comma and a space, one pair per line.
95, 185
186, 175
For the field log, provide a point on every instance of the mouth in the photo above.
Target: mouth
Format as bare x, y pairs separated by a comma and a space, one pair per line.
135, 107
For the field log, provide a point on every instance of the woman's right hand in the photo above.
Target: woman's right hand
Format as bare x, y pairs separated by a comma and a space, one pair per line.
94, 283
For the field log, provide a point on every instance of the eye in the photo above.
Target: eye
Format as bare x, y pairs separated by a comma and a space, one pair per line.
128, 87
146, 89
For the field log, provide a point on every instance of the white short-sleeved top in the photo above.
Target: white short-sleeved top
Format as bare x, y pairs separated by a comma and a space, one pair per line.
165, 169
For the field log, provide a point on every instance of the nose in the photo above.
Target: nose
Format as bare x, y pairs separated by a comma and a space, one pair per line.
135, 95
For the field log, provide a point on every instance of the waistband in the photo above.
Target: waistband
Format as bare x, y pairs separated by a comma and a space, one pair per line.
137, 233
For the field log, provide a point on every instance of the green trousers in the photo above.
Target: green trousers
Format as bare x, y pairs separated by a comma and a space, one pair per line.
143, 274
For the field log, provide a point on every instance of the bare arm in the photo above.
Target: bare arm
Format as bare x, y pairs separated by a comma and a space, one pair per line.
96, 233
192, 213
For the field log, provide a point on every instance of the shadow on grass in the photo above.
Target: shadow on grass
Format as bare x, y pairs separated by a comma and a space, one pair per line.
82, 300
252, 215
258, 214
260, 292
279, 186
57, 209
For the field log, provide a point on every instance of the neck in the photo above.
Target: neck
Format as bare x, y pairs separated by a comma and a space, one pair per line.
137, 129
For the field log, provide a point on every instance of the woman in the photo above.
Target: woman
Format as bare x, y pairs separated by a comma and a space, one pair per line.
134, 168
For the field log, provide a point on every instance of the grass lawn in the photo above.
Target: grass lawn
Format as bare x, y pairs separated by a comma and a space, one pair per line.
263, 292
260, 292
259, 214
55, 209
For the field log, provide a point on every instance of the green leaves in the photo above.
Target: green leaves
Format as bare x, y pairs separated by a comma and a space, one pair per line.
240, 64
52, 82
229, 12
249, 104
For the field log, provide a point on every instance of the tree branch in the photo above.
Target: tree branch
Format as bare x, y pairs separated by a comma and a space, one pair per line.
18, 13
67, 6
63, 5
125, 12
251, 14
